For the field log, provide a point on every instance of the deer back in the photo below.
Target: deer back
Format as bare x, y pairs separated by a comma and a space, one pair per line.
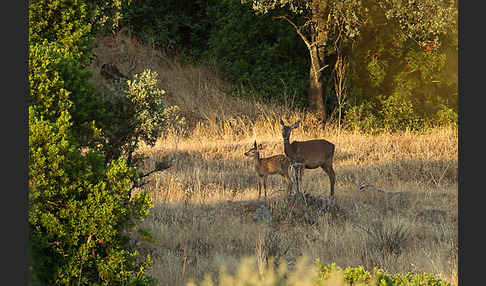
313, 153
274, 164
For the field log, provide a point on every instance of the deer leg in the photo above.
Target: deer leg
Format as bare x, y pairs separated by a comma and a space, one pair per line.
259, 186
300, 174
265, 185
332, 177
298, 178
289, 184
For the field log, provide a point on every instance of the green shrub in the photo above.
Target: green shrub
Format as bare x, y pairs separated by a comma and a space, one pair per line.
72, 23
377, 72
176, 26
361, 118
134, 111
264, 57
79, 209
398, 114
65, 22
81, 206
447, 116
58, 82
359, 276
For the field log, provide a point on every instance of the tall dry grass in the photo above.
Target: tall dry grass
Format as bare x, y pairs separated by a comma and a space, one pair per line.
205, 203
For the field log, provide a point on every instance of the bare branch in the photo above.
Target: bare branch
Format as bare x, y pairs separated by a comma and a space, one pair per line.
299, 32
309, 45
321, 69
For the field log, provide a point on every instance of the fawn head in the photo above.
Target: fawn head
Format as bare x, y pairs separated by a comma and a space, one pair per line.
254, 150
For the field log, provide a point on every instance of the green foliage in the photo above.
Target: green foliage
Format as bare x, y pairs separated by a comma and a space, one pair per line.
395, 84
359, 276
377, 71
134, 111
78, 207
262, 56
59, 82
66, 22
343, 17
447, 116
106, 14
361, 117
398, 114
177, 26
72, 23
424, 20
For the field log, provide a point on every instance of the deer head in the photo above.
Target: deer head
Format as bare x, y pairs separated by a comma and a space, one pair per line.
286, 130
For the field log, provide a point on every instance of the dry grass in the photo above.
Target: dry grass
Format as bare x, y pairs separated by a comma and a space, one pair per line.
204, 204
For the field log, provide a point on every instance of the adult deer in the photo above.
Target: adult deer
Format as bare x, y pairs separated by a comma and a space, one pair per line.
311, 153
277, 164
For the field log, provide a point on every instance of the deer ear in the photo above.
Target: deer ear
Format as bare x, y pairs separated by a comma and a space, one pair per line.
295, 125
281, 122
254, 144
260, 146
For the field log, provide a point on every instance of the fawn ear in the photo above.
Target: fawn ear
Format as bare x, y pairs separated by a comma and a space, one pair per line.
254, 144
295, 125
281, 122
260, 146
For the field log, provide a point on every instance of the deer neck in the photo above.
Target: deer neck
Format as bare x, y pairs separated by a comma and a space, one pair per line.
289, 151
257, 159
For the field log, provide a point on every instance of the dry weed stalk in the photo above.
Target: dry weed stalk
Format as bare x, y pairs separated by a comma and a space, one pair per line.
260, 254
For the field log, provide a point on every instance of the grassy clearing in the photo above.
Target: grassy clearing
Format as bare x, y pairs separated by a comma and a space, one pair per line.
205, 203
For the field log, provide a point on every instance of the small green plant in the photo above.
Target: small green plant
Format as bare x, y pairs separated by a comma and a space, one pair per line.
447, 116
135, 111
376, 71
398, 114
361, 118
359, 276
316, 274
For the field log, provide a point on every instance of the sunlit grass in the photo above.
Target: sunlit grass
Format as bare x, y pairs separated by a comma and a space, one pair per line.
204, 203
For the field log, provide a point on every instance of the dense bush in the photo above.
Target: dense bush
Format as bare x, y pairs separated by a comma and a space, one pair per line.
263, 56
134, 111
79, 210
68, 23
178, 27
58, 82
396, 84
81, 206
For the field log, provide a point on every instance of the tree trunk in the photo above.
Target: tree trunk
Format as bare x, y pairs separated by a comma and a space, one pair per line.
317, 53
316, 103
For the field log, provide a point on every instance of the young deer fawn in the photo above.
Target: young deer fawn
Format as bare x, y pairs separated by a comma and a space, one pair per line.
311, 153
277, 164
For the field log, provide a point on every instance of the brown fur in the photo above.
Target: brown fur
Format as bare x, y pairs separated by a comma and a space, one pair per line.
312, 153
277, 164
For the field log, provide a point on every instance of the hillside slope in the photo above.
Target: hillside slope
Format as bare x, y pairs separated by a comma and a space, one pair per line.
205, 204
